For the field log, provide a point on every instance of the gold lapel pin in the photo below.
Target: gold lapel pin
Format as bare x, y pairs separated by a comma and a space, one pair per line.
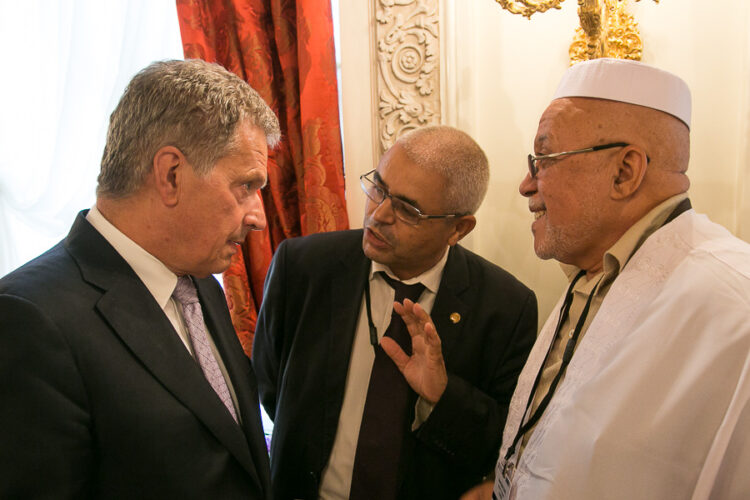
455, 318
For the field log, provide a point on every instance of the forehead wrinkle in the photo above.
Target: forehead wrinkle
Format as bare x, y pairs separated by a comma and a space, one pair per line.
403, 198
576, 122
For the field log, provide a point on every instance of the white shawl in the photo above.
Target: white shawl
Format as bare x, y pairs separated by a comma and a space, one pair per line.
654, 404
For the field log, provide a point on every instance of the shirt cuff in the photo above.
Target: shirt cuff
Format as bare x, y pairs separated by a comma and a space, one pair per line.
422, 411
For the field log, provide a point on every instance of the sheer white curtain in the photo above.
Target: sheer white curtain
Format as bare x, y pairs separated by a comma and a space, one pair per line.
66, 63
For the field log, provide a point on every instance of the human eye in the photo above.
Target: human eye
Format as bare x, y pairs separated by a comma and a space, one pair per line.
376, 192
405, 209
542, 161
254, 184
247, 188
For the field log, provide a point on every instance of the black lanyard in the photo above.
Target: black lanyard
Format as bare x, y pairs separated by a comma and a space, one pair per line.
370, 324
683, 206
567, 356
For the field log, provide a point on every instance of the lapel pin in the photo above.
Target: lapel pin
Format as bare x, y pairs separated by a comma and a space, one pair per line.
455, 318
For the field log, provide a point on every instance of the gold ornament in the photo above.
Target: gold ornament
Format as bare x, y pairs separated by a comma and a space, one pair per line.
606, 30
528, 7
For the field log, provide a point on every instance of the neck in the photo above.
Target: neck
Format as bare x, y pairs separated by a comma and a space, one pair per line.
592, 265
135, 218
590, 273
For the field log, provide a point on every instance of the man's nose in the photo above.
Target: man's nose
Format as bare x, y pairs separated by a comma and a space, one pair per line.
255, 215
383, 213
528, 185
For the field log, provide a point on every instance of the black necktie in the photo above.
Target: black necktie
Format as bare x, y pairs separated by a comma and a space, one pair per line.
385, 421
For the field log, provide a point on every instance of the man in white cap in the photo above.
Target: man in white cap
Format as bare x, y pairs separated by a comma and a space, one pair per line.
638, 384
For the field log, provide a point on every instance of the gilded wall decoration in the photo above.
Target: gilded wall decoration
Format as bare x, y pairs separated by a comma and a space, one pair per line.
408, 67
606, 30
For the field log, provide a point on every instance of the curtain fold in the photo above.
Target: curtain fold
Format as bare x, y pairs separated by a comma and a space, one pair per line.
284, 49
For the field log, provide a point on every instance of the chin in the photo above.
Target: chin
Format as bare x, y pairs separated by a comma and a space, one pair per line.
220, 268
376, 256
368, 251
543, 252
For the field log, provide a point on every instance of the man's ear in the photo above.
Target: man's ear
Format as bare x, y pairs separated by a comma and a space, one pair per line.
631, 169
463, 226
169, 165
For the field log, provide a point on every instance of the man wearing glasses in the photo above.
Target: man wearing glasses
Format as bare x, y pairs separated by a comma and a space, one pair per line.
638, 384
367, 404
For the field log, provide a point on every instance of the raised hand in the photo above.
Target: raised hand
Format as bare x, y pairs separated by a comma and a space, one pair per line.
424, 370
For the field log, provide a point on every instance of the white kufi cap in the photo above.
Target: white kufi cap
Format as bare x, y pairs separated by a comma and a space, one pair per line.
628, 81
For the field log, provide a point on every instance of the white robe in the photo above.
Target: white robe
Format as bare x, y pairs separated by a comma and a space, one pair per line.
654, 404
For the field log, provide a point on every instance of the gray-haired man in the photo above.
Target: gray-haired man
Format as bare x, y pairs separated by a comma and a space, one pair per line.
120, 372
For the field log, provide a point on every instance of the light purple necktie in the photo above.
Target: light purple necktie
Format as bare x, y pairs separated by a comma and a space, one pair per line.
187, 296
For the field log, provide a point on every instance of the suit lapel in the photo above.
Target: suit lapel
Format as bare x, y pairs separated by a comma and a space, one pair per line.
136, 318
448, 302
347, 288
239, 370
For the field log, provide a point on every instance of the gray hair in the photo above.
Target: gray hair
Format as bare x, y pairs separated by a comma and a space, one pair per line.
192, 105
457, 157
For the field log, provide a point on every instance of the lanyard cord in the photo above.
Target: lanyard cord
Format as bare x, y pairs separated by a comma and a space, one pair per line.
682, 207
370, 324
567, 356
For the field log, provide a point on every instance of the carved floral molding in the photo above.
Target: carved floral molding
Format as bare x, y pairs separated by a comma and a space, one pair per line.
408, 67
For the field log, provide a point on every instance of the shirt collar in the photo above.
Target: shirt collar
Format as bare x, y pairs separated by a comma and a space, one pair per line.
430, 278
619, 254
159, 280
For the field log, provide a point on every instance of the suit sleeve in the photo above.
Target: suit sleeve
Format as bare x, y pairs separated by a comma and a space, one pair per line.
45, 438
466, 424
269, 331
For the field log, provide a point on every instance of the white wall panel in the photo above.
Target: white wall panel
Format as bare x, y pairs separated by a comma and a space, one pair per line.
499, 72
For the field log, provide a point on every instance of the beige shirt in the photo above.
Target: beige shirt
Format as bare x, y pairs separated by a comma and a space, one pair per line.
615, 260
159, 280
336, 479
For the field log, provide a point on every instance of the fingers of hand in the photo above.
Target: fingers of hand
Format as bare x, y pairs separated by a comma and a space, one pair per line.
414, 316
394, 351
431, 335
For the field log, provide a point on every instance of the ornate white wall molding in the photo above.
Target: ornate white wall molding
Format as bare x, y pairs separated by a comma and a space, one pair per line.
408, 67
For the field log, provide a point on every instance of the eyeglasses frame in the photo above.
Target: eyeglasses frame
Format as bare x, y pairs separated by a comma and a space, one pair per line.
387, 194
533, 170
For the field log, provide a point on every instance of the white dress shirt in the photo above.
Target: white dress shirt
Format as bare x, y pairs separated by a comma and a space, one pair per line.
337, 476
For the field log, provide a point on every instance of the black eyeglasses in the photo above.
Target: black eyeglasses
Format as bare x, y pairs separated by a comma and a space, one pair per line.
403, 210
534, 169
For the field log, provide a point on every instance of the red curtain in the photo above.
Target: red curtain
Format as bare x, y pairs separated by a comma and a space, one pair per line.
284, 50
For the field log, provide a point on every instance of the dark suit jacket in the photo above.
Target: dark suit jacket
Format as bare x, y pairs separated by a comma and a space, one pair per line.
304, 338
100, 398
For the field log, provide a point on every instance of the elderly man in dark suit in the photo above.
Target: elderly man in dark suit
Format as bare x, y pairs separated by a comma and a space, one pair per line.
367, 404
120, 372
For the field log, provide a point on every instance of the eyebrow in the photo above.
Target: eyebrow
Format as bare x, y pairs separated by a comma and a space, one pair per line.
256, 178
540, 141
411, 202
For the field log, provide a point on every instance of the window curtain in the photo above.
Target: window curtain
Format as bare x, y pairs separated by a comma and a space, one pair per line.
284, 49
69, 63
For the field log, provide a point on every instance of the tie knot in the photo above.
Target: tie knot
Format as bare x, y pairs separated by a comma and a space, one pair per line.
403, 291
185, 292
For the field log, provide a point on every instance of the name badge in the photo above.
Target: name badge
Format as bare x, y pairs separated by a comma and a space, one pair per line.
503, 477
